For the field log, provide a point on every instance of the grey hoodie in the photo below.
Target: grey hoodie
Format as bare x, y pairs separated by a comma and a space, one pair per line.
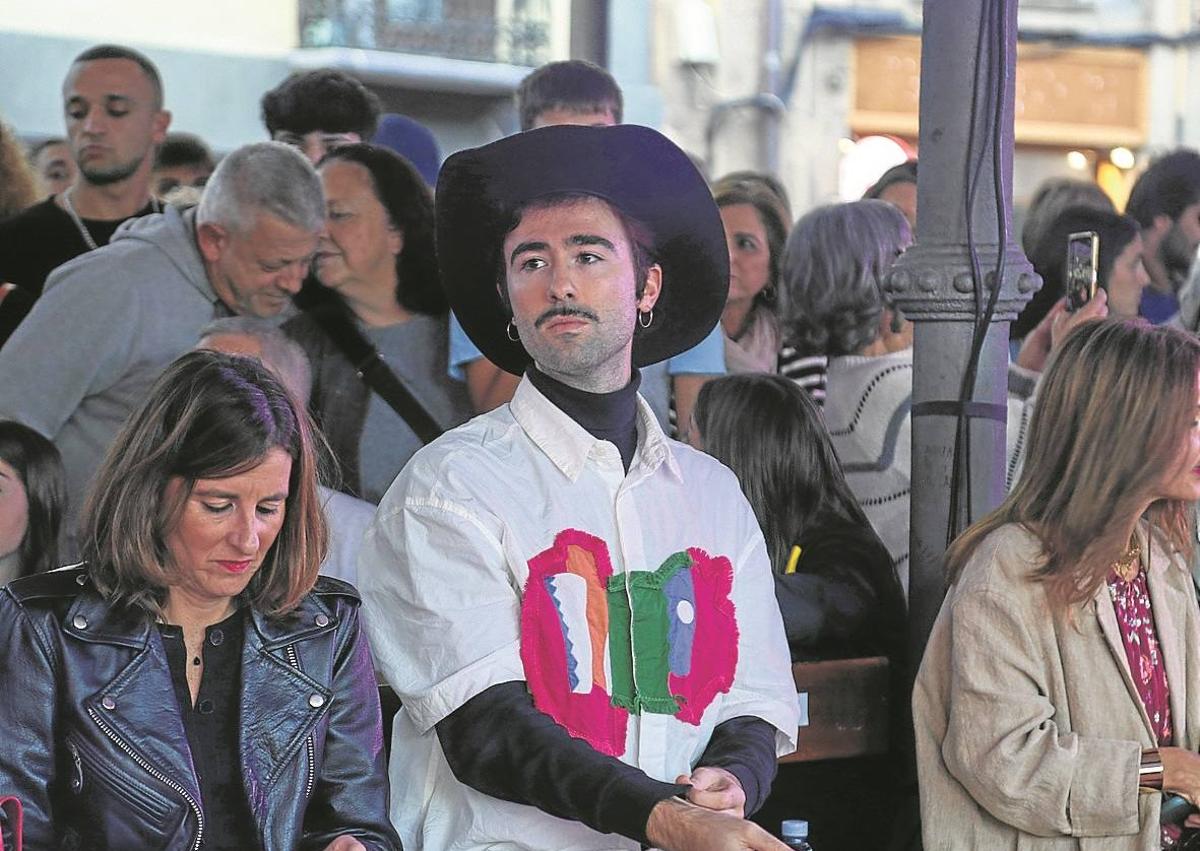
107, 325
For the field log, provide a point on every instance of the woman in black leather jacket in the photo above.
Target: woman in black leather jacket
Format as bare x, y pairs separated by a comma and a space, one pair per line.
193, 684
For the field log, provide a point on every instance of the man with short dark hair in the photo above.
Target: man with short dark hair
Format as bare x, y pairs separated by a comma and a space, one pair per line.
1166, 203
577, 612
110, 322
182, 160
113, 105
315, 111
573, 91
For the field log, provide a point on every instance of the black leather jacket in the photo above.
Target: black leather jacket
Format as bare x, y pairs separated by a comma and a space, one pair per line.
94, 744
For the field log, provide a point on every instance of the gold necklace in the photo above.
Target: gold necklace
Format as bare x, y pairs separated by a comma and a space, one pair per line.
1128, 565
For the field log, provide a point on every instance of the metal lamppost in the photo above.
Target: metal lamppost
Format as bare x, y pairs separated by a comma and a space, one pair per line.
961, 284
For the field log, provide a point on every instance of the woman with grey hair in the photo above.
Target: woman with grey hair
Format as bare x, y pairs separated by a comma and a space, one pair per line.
831, 303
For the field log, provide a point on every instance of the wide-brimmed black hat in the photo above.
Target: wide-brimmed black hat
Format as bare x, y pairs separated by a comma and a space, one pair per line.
637, 170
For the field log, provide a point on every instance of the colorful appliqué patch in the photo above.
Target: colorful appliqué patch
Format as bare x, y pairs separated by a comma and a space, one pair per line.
597, 646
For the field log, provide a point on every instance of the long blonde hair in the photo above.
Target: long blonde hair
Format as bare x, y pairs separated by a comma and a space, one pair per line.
1113, 411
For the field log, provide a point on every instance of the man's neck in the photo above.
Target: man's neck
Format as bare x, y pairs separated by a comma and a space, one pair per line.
607, 379
610, 416
111, 201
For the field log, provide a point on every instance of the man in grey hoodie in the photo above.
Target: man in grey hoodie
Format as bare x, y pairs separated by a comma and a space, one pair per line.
110, 321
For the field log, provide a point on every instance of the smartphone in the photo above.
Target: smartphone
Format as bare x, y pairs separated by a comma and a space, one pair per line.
1083, 256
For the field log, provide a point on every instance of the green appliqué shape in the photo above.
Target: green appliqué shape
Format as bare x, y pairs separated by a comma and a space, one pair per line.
639, 652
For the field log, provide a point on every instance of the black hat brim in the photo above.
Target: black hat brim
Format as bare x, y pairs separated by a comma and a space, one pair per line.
637, 170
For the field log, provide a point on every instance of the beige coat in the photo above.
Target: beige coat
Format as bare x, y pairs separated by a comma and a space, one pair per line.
1029, 730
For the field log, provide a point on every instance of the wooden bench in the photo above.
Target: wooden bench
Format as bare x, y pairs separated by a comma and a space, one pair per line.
845, 704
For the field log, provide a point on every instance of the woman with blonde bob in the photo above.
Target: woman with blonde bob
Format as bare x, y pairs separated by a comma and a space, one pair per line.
1060, 688
193, 684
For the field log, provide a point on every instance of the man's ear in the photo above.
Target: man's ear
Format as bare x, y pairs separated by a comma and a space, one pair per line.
1162, 224
652, 290
212, 240
162, 120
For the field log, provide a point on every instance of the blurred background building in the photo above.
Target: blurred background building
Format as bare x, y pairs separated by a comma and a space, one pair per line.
824, 93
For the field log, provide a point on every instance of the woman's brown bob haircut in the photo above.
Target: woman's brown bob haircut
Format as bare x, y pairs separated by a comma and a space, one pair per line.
1113, 413
209, 416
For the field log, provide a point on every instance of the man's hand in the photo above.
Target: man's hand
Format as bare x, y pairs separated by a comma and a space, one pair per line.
676, 825
345, 843
715, 789
1054, 327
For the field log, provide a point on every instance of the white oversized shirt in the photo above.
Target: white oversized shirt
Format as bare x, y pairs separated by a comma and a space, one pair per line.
515, 547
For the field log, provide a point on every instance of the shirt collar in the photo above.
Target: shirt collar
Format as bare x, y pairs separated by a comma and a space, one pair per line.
568, 445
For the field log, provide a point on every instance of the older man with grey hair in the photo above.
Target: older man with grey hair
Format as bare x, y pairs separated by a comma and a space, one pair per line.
110, 321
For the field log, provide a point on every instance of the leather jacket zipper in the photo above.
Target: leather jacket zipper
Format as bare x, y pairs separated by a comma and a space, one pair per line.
294, 661
153, 772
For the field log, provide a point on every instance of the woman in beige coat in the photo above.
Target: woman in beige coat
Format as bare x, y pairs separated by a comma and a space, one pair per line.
1060, 689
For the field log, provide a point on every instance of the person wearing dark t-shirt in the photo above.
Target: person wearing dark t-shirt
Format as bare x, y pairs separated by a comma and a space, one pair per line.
113, 107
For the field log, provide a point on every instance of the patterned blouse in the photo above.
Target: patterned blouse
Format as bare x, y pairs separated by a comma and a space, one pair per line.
1131, 600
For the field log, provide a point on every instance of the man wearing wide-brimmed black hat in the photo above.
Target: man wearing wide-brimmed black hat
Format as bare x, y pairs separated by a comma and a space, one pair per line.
577, 612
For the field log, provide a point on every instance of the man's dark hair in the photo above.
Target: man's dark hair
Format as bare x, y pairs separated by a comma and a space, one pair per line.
1171, 183
116, 51
324, 99
183, 149
574, 84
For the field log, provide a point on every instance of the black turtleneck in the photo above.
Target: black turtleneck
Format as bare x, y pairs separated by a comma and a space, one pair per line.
605, 416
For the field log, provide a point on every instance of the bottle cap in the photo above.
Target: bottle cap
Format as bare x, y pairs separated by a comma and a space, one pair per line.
794, 828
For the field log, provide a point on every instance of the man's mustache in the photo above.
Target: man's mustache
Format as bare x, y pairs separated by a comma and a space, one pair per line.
555, 312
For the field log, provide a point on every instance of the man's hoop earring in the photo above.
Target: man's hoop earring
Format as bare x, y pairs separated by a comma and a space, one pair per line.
645, 319
510, 331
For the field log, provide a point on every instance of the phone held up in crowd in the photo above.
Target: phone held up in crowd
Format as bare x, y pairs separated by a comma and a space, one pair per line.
1083, 257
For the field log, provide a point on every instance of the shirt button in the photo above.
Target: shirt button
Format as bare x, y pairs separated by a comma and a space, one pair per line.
216, 637
205, 706
322, 620
108, 703
316, 701
79, 622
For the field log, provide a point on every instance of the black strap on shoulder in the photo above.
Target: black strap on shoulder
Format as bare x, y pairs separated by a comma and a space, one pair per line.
973, 410
369, 366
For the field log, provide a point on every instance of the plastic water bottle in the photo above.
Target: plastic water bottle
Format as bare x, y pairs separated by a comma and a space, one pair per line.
795, 834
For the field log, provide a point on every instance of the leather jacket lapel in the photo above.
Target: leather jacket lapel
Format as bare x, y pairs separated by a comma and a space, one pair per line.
280, 703
136, 710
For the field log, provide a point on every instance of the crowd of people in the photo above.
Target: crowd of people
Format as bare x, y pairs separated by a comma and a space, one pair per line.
326, 413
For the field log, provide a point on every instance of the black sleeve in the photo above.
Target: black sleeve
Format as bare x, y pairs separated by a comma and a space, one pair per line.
745, 747
500, 744
844, 581
818, 609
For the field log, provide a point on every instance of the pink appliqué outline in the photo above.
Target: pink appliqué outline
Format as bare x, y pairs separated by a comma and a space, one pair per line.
590, 716
715, 644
